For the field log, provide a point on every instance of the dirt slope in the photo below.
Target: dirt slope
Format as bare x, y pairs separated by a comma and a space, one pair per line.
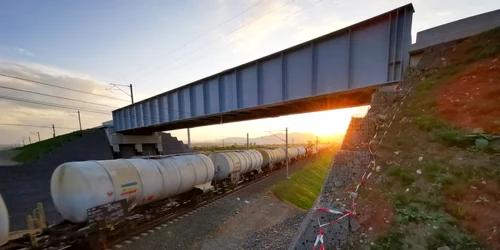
440, 160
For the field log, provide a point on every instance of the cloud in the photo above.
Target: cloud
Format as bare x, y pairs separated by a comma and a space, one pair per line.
261, 23
277, 19
444, 13
25, 52
14, 112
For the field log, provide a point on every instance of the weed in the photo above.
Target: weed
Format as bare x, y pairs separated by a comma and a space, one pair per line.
443, 132
456, 192
415, 191
461, 212
439, 174
393, 240
412, 214
404, 175
450, 136
431, 170
453, 238
447, 179
428, 123
488, 51
431, 203
400, 200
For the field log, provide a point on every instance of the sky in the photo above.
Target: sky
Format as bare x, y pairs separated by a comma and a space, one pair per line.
161, 45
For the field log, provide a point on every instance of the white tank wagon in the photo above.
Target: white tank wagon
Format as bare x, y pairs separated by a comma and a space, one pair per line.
279, 155
292, 153
78, 186
4, 223
233, 164
267, 157
257, 159
271, 156
302, 151
226, 165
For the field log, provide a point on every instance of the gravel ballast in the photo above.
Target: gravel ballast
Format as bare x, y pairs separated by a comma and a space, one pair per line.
278, 236
226, 223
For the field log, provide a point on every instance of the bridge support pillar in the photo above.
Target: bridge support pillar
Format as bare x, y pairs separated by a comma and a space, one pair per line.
189, 138
138, 147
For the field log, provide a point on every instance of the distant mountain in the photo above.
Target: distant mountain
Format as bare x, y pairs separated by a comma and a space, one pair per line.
278, 138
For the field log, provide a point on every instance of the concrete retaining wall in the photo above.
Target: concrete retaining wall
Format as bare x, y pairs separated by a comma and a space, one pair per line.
22, 186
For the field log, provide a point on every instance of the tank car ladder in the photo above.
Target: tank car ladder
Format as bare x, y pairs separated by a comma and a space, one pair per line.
36, 223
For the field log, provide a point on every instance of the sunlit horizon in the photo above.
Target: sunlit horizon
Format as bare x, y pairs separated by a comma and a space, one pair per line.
321, 123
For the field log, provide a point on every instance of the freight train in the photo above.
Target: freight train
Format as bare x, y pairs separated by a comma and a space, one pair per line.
81, 191
4, 222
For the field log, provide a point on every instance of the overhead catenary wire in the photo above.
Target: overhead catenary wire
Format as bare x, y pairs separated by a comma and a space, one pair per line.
68, 107
33, 126
213, 41
55, 105
185, 112
54, 96
225, 47
194, 39
61, 87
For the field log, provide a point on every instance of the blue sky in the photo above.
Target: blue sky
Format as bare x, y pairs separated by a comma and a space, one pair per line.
160, 45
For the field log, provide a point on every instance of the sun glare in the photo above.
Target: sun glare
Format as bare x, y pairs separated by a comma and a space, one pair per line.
327, 122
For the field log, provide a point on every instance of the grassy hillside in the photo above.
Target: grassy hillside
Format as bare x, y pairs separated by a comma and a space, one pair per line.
441, 157
304, 185
32, 151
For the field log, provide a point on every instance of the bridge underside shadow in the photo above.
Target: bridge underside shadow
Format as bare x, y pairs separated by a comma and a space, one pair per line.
347, 99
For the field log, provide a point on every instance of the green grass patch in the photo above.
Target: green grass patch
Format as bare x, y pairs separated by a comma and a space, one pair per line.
440, 174
486, 45
422, 108
452, 237
304, 185
413, 214
391, 241
402, 174
400, 200
32, 151
443, 132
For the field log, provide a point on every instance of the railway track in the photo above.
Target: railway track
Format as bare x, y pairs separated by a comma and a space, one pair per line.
182, 210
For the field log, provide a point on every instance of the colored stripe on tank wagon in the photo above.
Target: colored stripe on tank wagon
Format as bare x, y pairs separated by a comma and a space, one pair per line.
129, 192
129, 184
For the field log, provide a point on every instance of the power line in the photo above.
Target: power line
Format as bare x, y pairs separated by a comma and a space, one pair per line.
32, 126
214, 51
213, 41
61, 87
54, 96
54, 105
194, 39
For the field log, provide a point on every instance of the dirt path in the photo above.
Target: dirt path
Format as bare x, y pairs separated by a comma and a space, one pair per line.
264, 212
